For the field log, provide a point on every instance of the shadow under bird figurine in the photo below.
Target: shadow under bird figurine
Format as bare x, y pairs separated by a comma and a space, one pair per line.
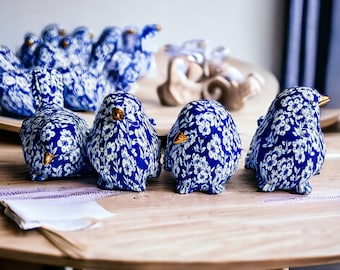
288, 146
123, 145
203, 148
54, 140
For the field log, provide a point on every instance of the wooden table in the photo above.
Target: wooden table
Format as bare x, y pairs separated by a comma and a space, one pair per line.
160, 229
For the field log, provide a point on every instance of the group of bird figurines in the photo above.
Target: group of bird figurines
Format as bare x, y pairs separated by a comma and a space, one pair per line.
55, 74
90, 68
203, 146
197, 70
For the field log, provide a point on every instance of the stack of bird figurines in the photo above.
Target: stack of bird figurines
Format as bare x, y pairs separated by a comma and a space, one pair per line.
90, 68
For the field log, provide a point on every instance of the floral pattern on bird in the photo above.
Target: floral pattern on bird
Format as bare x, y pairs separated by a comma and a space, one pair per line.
15, 92
288, 146
54, 139
61, 133
123, 148
209, 154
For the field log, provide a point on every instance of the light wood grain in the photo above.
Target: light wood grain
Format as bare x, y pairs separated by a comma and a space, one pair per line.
160, 229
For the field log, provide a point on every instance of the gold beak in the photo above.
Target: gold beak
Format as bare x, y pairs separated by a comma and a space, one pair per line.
48, 157
117, 114
180, 137
323, 100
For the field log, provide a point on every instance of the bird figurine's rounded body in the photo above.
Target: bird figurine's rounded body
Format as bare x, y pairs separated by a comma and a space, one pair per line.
288, 146
203, 148
54, 140
123, 146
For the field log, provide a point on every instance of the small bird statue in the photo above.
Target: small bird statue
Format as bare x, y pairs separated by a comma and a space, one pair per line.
84, 40
145, 49
134, 57
28, 49
86, 86
49, 54
203, 148
288, 147
54, 140
123, 145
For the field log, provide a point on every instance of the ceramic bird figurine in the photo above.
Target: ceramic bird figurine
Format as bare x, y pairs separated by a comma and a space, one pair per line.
28, 49
49, 54
8, 60
84, 40
86, 86
122, 69
16, 96
145, 49
123, 145
134, 57
54, 140
203, 148
288, 147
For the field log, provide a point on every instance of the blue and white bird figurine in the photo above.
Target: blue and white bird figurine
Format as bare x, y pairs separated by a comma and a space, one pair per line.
49, 54
123, 146
84, 40
146, 47
86, 86
28, 49
203, 148
54, 140
288, 147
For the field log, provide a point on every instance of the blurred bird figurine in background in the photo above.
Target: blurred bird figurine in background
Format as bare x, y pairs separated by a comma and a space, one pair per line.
28, 49
203, 148
54, 140
288, 146
123, 145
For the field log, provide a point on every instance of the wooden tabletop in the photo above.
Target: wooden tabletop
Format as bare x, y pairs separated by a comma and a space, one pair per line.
160, 229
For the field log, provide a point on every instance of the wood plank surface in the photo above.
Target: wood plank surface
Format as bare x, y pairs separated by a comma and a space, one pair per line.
160, 229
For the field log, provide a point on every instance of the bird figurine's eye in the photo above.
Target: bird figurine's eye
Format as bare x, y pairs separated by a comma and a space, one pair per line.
29, 42
323, 100
48, 157
117, 114
180, 137
65, 43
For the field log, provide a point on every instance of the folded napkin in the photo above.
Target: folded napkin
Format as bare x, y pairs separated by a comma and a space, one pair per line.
55, 214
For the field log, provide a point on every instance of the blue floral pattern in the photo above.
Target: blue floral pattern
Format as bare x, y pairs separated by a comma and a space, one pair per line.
288, 146
16, 92
209, 154
123, 145
54, 140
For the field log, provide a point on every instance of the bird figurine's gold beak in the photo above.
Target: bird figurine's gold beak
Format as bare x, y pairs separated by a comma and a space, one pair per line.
117, 114
323, 100
48, 157
180, 137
